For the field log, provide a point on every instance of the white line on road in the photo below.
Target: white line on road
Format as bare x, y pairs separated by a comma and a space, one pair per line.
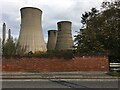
59, 79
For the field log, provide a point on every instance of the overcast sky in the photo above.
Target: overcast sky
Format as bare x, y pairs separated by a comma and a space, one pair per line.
53, 12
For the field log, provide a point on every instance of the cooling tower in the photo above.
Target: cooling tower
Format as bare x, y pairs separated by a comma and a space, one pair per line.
52, 38
31, 35
64, 38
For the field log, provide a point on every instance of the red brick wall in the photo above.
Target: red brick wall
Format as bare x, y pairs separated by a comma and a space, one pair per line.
88, 63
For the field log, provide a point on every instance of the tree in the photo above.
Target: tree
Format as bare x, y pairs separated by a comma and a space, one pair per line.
86, 39
9, 48
87, 16
101, 32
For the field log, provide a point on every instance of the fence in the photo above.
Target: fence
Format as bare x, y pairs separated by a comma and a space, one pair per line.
114, 66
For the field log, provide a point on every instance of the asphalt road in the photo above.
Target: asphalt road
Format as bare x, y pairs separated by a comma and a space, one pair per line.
65, 83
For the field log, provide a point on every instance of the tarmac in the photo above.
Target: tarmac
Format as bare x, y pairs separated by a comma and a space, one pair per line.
56, 75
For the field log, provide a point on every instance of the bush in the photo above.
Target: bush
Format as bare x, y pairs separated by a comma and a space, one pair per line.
114, 59
66, 54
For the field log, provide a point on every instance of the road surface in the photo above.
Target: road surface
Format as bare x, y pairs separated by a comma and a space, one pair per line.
60, 83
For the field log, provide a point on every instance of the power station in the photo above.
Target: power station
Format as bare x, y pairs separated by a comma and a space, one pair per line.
52, 38
31, 35
64, 38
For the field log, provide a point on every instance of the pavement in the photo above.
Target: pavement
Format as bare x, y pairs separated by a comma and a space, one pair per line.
56, 75
73, 80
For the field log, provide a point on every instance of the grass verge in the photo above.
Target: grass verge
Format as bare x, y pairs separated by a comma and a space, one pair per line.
114, 73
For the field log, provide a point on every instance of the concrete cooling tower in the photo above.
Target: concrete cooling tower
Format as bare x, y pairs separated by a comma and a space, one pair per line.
64, 38
31, 35
52, 38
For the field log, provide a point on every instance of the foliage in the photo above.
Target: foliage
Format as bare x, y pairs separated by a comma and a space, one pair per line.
101, 30
87, 39
66, 54
9, 48
114, 59
114, 73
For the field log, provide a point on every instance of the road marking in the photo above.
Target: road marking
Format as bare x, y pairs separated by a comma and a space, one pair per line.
24, 80
59, 79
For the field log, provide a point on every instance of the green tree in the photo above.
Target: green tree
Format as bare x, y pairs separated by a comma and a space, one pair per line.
101, 32
87, 16
9, 48
86, 40
109, 32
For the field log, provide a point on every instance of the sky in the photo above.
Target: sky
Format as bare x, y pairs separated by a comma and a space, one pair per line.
53, 12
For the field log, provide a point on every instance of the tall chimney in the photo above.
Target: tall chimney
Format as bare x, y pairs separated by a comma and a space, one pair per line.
9, 34
4, 33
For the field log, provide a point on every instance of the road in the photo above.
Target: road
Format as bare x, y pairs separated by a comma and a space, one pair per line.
60, 83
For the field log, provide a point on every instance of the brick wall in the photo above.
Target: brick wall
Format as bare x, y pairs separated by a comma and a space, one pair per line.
87, 63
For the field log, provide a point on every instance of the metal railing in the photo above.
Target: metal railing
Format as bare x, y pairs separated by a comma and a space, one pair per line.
114, 66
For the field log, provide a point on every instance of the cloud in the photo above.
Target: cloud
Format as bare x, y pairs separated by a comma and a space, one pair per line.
53, 12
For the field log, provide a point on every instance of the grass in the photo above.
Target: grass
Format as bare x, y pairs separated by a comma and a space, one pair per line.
114, 73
